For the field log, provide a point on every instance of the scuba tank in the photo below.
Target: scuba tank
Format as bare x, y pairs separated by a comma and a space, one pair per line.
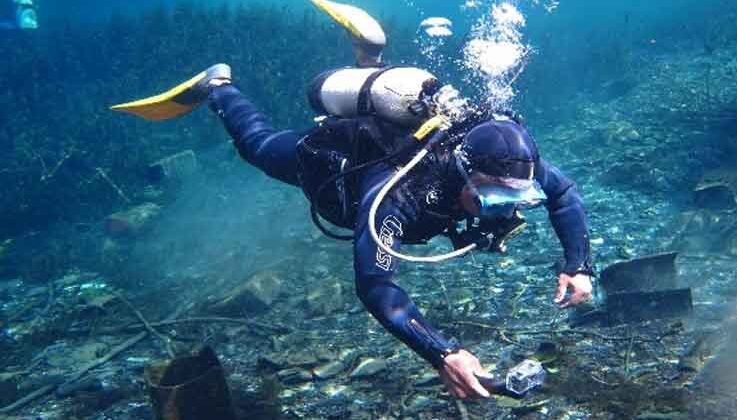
390, 93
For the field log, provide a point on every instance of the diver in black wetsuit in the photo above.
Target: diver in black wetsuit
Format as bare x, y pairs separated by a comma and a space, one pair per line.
18, 14
410, 212
474, 167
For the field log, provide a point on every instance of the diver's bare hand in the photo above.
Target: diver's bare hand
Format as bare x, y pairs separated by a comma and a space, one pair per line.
580, 286
459, 374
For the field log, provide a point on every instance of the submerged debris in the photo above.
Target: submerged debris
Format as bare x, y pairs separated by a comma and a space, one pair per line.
256, 294
649, 273
133, 220
717, 189
176, 167
190, 388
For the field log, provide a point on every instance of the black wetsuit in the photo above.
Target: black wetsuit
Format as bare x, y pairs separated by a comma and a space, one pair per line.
410, 214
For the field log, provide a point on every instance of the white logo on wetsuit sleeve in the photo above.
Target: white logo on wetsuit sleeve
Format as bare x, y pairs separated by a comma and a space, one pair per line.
390, 227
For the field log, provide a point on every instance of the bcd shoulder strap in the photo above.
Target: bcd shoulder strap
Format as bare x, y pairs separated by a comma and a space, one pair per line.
365, 106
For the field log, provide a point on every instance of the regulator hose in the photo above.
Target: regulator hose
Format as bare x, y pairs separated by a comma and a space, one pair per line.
439, 135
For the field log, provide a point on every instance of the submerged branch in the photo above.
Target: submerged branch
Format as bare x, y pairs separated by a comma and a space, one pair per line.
274, 328
112, 184
48, 175
628, 356
147, 325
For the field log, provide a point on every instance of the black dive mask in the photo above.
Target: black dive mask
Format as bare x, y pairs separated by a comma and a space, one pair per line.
500, 195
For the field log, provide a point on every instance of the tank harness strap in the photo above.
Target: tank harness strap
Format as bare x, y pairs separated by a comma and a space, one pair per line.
365, 107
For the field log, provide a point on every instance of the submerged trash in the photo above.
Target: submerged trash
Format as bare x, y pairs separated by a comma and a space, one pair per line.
133, 220
638, 290
649, 273
643, 306
717, 190
174, 167
190, 388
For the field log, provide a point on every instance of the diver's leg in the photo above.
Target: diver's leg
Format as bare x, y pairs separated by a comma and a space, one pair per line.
274, 152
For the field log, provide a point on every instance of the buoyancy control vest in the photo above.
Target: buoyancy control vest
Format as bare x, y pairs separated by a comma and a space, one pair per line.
331, 156
370, 114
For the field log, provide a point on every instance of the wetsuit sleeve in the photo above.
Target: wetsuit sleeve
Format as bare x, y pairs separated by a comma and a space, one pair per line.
568, 217
272, 151
384, 299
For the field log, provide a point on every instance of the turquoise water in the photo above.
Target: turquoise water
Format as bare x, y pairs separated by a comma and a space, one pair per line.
634, 100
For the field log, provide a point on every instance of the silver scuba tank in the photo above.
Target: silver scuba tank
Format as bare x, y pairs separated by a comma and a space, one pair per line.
387, 92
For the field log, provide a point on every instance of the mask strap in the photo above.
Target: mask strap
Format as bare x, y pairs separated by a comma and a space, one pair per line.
464, 174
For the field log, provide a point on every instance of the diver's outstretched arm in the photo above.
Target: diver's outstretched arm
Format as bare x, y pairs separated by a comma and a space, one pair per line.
390, 305
274, 152
374, 270
568, 217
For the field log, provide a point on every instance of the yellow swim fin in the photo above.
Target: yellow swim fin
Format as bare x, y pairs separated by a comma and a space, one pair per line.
357, 22
170, 104
178, 100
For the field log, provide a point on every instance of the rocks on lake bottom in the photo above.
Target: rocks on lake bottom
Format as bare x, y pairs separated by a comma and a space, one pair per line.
368, 367
255, 295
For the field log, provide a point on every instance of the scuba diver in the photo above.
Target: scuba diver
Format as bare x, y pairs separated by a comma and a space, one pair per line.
400, 159
18, 14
